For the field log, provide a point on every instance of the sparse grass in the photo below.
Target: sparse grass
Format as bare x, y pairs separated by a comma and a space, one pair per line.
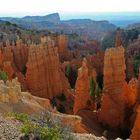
19, 116
42, 127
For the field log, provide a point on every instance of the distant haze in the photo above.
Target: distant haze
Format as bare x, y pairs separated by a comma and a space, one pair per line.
44, 7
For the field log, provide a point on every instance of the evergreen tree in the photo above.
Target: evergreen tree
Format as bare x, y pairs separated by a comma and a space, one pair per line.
3, 76
71, 74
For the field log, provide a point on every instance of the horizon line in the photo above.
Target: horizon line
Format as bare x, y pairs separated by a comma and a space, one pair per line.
22, 14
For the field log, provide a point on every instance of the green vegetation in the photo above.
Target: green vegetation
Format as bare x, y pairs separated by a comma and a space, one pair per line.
136, 64
95, 91
24, 70
42, 127
61, 97
19, 116
127, 35
3, 76
71, 74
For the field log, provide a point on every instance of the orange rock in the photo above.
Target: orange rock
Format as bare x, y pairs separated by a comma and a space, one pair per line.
82, 97
44, 75
20, 55
119, 41
62, 44
1, 58
13, 59
22, 80
7, 67
13, 99
118, 95
129, 67
133, 91
97, 61
136, 127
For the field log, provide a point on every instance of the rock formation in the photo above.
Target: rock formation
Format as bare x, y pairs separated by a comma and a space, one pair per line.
119, 41
44, 75
7, 67
62, 44
82, 97
112, 111
10, 94
118, 95
13, 59
136, 128
20, 55
129, 67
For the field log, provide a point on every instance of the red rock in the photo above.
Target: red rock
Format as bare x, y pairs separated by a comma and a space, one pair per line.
22, 80
97, 61
129, 67
1, 58
62, 44
118, 95
44, 75
7, 67
20, 55
136, 127
119, 41
82, 97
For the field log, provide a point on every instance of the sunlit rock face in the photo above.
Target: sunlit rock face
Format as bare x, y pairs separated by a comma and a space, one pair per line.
82, 97
12, 99
112, 111
118, 95
136, 127
44, 75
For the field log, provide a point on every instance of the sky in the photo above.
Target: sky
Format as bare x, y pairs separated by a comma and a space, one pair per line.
44, 7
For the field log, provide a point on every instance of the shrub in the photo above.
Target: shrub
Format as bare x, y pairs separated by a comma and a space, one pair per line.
43, 127
136, 64
19, 116
71, 74
95, 90
3, 76
50, 134
61, 97
92, 87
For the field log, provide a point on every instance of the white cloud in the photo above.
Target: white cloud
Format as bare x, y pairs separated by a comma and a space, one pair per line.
35, 7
